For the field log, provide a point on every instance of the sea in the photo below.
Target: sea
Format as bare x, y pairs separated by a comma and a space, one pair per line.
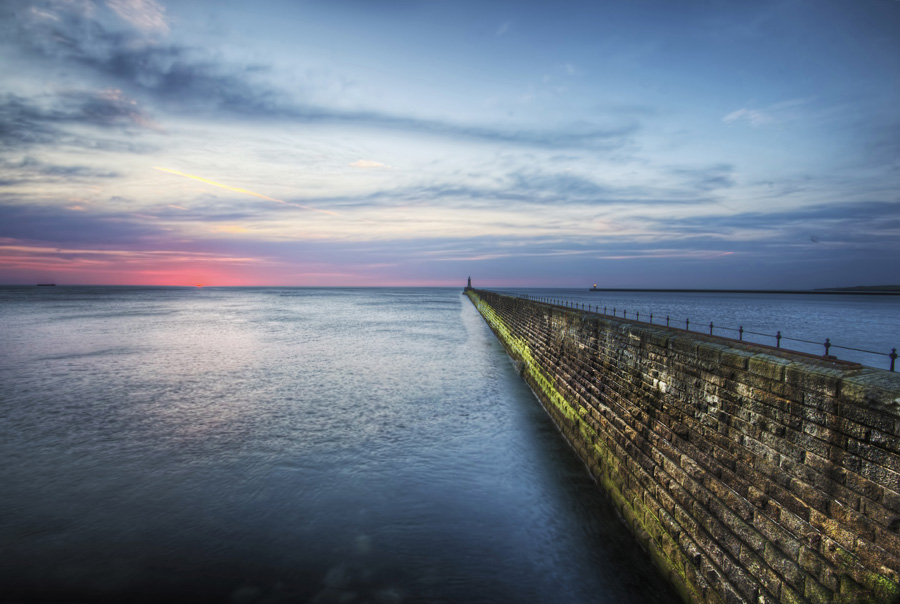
274, 445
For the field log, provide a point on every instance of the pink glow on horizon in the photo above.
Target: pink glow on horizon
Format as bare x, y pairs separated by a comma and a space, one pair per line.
29, 264
25, 263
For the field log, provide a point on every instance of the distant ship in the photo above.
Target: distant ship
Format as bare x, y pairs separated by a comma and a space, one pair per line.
46, 284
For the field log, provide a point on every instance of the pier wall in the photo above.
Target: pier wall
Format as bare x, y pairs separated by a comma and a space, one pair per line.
749, 474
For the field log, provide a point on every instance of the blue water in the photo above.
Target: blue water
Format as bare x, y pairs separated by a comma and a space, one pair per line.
864, 323
287, 445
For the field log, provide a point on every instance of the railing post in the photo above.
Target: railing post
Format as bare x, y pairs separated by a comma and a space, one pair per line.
893, 356
614, 311
624, 313
778, 342
827, 345
687, 324
741, 333
638, 316
651, 318
667, 320
710, 328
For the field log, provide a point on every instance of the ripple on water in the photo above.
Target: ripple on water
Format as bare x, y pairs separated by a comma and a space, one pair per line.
288, 445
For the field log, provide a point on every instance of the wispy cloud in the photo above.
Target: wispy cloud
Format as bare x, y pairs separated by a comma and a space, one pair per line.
368, 164
245, 191
536, 187
189, 80
118, 254
31, 170
754, 117
26, 122
669, 253
711, 178
146, 15
777, 113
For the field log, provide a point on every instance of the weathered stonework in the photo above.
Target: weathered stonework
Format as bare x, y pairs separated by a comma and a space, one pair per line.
748, 474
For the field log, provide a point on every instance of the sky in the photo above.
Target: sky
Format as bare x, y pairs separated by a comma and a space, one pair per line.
635, 143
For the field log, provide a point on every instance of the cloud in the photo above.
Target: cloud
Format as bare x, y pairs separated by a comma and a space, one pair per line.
718, 176
528, 187
562, 186
784, 111
879, 137
754, 117
191, 80
29, 169
108, 107
44, 120
367, 163
132, 60
244, 191
22, 261
146, 15
63, 228
873, 225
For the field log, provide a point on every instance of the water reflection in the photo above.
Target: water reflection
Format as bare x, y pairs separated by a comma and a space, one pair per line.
288, 445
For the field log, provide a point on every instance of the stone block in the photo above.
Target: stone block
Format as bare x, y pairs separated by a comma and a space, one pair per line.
784, 566
810, 561
883, 440
852, 521
757, 497
768, 366
777, 535
880, 475
875, 389
683, 345
862, 413
816, 593
790, 596
832, 530
812, 377
882, 516
737, 576
879, 560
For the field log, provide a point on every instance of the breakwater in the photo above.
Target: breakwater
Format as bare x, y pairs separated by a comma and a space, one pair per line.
749, 474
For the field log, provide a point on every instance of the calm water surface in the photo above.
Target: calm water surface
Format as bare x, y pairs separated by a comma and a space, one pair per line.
287, 445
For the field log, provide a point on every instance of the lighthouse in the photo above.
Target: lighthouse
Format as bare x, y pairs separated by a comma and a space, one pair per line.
469, 286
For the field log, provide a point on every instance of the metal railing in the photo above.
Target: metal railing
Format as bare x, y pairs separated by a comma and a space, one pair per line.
595, 308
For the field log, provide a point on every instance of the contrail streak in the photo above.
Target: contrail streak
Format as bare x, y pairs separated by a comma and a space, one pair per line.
245, 191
